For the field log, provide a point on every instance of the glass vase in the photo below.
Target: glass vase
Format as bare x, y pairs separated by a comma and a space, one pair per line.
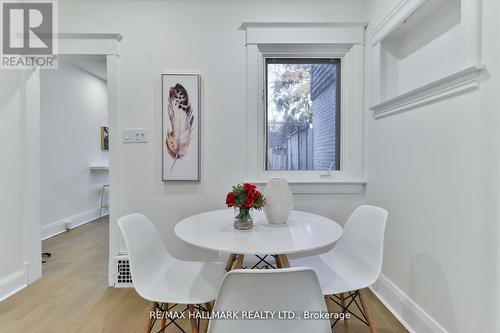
243, 218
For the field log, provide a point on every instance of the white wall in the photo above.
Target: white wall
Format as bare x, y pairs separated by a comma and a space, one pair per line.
192, 36
11, 250
73, 108
436, 170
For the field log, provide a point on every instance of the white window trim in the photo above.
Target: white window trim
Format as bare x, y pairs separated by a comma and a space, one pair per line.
333, 40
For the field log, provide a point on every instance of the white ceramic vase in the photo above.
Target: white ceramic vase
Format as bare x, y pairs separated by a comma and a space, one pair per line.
279, 201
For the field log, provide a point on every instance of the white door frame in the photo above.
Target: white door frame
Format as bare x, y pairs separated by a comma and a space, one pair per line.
106, 44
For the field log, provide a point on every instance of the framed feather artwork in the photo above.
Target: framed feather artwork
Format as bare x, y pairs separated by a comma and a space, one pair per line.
181, 126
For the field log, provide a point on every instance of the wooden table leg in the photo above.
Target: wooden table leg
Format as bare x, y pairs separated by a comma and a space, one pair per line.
279, 263
239, 261
230, 261
164, 318
284, 261
209, 307
194, 324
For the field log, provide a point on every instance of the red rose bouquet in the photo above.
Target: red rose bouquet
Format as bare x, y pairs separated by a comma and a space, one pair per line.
245, 196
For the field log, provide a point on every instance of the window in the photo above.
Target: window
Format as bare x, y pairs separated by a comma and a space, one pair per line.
302, 114
342, 44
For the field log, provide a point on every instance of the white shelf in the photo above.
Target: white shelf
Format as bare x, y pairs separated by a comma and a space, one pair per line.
457, 83
425, 51
99, 167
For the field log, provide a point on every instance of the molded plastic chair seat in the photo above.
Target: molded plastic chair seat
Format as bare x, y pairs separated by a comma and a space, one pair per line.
256, 290
356, 260
350, 273
186, 282
162, 279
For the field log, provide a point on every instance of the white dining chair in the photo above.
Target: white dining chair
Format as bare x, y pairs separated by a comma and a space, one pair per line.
249, 291
354, 263
164, 280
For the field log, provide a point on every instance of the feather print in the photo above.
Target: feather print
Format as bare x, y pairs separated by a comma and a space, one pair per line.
181, 123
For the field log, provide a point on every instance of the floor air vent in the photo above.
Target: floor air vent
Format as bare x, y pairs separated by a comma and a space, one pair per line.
123, 278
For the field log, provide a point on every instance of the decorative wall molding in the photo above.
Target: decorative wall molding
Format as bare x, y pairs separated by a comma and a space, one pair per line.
401, 23
404, 308
304, 32
89, 43
458, 83
12, 283
312, 50
58, 227
31, 171
394, 19
107, 44
316, 24
111, 36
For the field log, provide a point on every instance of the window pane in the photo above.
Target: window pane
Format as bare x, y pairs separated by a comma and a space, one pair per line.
303, 114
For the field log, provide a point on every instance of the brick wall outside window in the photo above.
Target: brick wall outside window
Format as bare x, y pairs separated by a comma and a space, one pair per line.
323, 94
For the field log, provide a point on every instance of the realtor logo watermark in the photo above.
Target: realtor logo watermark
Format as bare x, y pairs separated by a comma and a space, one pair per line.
27, 36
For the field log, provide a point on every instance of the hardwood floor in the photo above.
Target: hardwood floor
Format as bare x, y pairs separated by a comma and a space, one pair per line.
73, 295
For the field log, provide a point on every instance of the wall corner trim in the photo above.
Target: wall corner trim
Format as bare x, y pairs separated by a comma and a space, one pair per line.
404, 308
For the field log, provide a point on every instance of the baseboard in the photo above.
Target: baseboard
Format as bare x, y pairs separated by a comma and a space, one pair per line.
12, 283
58, 227
409, 313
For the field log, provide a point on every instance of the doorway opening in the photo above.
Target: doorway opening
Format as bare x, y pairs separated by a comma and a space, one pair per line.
74, 148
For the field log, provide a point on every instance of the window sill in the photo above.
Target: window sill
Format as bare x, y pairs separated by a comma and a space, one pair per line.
321, 186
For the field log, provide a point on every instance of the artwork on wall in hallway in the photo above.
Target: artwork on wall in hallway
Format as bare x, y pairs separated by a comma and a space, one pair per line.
104, 138
181, 126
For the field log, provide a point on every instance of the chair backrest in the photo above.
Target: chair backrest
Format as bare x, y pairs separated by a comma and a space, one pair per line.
292, 289
148, 257
364, 235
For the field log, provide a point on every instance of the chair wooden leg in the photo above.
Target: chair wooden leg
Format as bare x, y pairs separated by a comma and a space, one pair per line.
284, 261
342, 301
367, 313
230, 261
150, 320
239, 261
277, 259
194, 324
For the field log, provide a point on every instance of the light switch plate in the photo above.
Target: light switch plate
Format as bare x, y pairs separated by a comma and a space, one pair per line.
135, 135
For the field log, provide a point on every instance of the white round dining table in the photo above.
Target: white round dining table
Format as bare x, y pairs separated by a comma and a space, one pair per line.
214, 230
